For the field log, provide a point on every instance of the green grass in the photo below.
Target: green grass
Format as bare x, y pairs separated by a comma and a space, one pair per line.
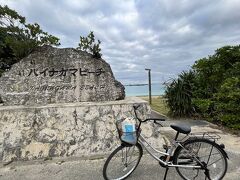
158, 104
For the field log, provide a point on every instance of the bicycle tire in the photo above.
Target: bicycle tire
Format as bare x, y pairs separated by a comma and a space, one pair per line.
198, 146
108, 169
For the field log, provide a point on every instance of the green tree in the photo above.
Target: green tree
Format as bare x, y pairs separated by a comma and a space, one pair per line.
227, 100
18, 38
215, 88
89, 45
211, 73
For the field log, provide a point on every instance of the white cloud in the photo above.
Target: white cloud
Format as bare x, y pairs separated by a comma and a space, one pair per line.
165, 35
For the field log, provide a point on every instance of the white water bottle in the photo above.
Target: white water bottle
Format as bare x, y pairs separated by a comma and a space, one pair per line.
129, 131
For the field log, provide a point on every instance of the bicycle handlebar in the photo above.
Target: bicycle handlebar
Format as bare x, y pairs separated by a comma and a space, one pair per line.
153, 119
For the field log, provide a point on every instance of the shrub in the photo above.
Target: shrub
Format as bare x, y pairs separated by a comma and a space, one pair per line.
227, 103
89, 45
179, 94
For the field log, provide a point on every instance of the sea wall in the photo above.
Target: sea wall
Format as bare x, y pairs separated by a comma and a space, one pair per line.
71, 129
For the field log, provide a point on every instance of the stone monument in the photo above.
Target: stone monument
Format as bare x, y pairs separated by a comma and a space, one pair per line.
50, 75
61, 102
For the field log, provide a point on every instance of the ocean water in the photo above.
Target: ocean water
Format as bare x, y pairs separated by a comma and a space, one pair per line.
157, 89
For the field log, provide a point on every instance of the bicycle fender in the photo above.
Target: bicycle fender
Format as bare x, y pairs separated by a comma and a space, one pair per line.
222, 146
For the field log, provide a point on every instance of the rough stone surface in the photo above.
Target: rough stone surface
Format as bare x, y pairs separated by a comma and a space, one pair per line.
71, 129
51, 75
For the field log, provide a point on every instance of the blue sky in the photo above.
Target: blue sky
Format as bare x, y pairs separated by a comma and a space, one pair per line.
167, 36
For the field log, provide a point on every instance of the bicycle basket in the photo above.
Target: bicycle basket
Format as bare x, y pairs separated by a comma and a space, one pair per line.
127, 132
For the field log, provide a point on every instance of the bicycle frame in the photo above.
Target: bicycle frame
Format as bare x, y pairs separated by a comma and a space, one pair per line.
175, 144
166, 163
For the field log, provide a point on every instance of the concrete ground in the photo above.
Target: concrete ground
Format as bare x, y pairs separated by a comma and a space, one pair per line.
80, 169
92, 170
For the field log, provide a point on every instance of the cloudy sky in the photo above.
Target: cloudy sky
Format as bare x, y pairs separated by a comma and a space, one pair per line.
167, 36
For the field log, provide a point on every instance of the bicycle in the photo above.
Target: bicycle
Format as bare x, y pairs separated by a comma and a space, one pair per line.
194, 156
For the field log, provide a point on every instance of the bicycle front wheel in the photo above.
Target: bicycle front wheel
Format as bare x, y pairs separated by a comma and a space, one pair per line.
200, 151
122, 162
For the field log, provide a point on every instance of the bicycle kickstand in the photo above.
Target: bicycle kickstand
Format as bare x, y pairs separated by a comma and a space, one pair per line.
166, 171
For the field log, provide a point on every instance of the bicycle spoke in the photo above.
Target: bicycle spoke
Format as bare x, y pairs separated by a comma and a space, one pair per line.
215, 162
208, 155
122, 162
196, 175
131, 153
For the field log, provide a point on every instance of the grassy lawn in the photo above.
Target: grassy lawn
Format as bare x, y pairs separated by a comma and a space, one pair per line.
158, 104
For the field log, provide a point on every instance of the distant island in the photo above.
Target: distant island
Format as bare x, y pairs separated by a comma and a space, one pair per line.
136, 85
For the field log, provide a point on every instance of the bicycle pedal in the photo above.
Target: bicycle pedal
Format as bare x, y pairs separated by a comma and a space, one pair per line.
163, 158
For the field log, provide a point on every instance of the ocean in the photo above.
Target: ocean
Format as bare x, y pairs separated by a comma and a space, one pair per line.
157, 89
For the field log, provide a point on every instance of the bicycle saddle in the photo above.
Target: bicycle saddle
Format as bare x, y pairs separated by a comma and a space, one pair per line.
181, 128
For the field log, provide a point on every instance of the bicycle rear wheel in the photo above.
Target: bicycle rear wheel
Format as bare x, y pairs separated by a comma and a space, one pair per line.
198, 151
122, 162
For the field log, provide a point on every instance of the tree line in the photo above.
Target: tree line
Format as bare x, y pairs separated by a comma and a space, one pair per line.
210, 89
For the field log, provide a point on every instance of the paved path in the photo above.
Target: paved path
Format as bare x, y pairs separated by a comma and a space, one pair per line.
189, 122
92, 170
79, 169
